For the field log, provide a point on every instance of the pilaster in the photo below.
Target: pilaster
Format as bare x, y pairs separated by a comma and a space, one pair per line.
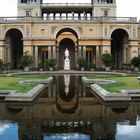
2, 51
133, 52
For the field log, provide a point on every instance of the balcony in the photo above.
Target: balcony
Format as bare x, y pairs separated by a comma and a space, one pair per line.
68, 19
66, 4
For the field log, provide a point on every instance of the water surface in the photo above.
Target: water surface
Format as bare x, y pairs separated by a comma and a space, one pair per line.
67, 110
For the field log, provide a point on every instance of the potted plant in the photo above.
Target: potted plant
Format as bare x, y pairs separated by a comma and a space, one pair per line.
107, 59
81, 63
51, 63
41, 66
92, 66
135, 61
26, 60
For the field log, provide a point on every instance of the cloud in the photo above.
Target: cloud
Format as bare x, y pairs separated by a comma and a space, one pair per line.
129, 131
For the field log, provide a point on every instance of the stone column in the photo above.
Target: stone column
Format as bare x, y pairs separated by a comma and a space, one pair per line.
79, 51
57, 55
76, 56
124, 55
36, 56
84, 51
72, 15
97, 56
8, 53
88, 57
49, 52
54, 51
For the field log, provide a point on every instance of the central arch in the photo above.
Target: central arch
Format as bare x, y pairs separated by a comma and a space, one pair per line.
69, 44
67, 38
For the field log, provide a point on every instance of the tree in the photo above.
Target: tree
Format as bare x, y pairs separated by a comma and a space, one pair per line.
26, 60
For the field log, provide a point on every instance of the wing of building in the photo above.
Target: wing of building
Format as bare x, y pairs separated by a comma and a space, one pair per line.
87, 30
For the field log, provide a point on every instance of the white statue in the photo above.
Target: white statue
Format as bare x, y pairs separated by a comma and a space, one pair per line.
67, 54
66, 60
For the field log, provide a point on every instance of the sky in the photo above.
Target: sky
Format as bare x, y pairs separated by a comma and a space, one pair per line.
123, 7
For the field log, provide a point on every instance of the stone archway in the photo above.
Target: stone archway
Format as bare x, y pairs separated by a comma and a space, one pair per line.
13, 47
69, 44
119, 47
67, 38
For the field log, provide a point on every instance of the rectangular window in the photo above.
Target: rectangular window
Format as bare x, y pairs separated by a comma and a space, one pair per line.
105, 13
28, 13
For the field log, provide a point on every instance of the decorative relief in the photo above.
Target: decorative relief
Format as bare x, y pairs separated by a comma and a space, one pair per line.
134, 32
105, 31
28, 31
80, 29
90, 30
42, 31
53, 29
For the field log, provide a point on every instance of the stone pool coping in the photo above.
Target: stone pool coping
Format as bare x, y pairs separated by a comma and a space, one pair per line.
107, 96
97, 81
12, 95
122, 95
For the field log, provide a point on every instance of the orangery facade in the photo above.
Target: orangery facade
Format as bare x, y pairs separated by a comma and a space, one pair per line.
87, 30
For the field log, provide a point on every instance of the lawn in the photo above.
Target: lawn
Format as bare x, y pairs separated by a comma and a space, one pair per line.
129, 82
12, 83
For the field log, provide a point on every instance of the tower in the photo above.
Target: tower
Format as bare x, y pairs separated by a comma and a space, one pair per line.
104, 8
29, 7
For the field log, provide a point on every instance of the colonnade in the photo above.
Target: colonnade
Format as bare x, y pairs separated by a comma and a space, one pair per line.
42, 53
28, 1
91, 53
71, 16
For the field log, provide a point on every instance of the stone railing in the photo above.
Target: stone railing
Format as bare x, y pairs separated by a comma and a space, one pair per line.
68, 19
65, 4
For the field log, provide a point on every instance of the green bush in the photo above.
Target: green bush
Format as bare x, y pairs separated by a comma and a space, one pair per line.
107, 59
92, 66
26, 60
135, 61
81, 62
51, 62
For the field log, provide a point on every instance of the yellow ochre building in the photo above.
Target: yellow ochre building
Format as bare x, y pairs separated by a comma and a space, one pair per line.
87, 30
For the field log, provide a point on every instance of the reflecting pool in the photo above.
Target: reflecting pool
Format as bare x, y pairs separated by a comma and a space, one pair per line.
67, 110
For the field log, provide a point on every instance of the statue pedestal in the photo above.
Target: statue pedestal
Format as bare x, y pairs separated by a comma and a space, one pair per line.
66, 64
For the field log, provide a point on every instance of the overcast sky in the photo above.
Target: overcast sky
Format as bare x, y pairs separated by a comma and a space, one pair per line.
123, 7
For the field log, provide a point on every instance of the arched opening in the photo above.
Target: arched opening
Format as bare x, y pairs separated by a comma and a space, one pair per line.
67, 44
14, 47
67, 30
119, 47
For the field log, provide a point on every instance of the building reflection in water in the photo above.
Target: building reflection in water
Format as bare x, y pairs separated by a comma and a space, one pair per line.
67, 109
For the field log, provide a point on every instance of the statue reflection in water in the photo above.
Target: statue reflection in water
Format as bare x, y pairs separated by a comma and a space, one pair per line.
66, 83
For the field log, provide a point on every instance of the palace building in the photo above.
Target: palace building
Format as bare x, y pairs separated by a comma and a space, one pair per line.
87, 30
